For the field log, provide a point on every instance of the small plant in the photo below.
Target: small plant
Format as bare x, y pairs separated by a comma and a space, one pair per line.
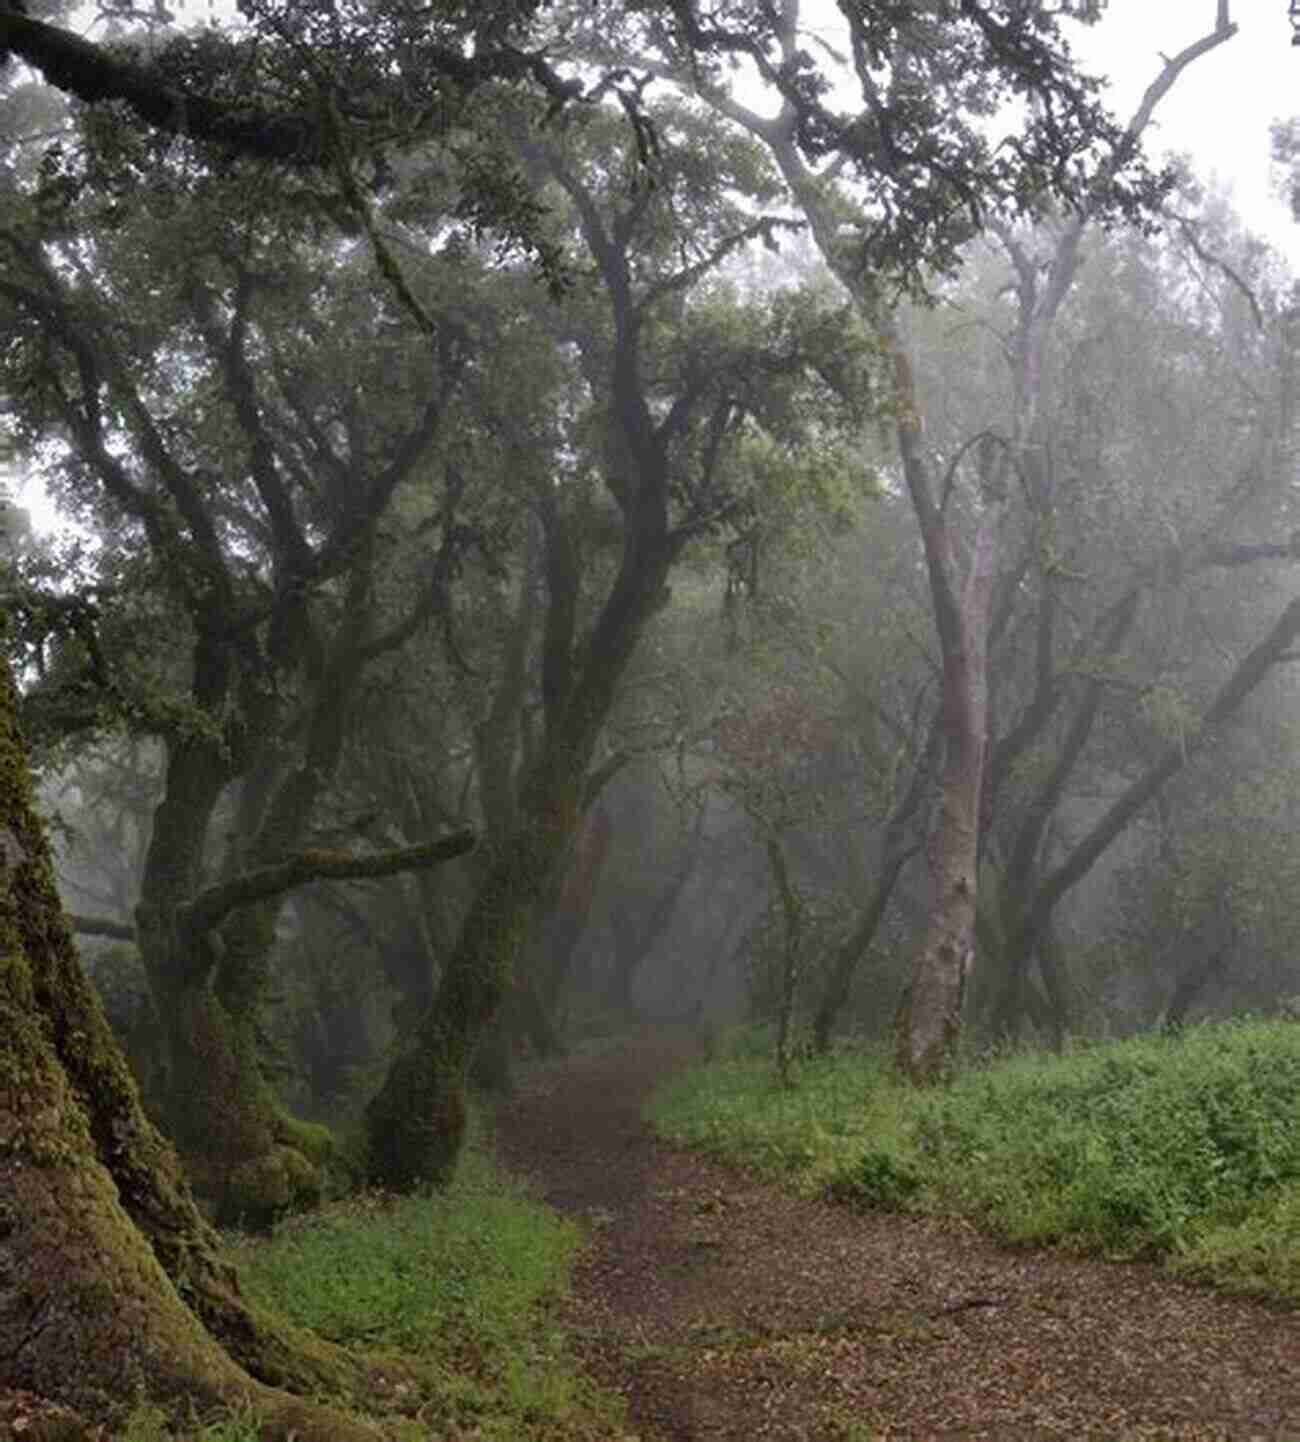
146, 1423
876, 1179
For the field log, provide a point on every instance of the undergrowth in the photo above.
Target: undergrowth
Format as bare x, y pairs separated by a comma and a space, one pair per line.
1184, 1148
457, 1282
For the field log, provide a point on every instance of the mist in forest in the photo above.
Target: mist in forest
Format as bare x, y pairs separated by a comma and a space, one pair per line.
637, 612
753, 843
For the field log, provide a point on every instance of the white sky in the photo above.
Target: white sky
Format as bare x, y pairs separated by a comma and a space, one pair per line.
1223, 104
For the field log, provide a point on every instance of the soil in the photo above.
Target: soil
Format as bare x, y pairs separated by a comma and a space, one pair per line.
722, 1307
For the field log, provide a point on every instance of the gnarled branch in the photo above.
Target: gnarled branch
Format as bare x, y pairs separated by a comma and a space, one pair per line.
212, 906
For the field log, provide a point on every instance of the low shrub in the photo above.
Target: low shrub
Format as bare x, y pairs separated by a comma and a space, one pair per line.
876, 1179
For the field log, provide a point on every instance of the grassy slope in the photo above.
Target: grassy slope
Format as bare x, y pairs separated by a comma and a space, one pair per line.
1184, 1149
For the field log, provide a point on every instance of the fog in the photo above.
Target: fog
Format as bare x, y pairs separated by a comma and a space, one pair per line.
531, 605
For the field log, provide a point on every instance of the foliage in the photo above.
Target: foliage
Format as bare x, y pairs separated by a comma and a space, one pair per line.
1130, 1148
824, 917
876, 1179
1182, 1149
149, 1423
1258, 1253
931, 167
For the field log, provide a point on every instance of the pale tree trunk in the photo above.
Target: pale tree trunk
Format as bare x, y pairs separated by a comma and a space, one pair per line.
111, 1285
930, 1017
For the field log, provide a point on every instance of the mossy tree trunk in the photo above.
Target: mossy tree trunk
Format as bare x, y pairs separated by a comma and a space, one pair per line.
244, 1154
110, 1280
415, 1125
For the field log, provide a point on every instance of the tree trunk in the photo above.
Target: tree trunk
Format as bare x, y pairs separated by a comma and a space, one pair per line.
1190, 987
572, 911
110, 1280
844, 965
243, 1154
415, 1124
217, 1109
930, 1019
791, 945
894, 854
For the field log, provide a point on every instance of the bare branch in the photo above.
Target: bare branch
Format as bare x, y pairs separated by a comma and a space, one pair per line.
1188, 228
101, 926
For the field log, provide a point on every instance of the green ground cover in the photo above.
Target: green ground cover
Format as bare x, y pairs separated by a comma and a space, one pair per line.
1182, 1148
458, 1283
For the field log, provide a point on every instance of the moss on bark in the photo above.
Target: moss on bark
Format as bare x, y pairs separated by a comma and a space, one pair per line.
244, 1157
111, 1284
415, 1125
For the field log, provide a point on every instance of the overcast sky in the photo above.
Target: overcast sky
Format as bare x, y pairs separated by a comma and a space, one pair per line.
1221, 109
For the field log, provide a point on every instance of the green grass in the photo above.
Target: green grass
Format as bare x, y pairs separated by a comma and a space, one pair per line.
460, 1280
735, 1107
1184, 1149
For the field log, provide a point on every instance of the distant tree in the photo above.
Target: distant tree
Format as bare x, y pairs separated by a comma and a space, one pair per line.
1129, 555
1286, 160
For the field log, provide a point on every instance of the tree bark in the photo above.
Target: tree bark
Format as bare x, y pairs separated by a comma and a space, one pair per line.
930, 1019
110, 1279
791, 945
415, 1124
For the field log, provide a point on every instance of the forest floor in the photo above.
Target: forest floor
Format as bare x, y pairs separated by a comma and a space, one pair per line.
723, 1307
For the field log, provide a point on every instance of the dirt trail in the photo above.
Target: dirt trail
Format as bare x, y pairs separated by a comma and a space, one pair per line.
724, 1308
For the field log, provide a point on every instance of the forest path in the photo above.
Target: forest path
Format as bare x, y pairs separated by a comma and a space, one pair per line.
723, 1307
